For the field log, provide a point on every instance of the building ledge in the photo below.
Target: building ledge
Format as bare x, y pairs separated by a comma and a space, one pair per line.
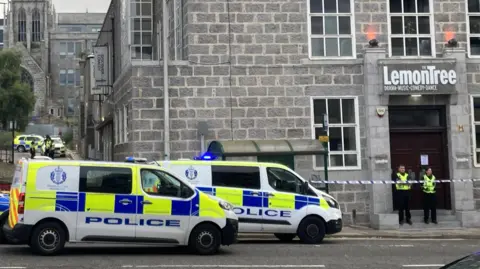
309, 62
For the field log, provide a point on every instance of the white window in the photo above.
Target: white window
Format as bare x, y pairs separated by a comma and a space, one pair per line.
63, 77
474, 27
175, 29
71, 48
115, 127
125, 123
71, 77
120, 126
476, 129
411, 31
141, 29
343, 131
331, 28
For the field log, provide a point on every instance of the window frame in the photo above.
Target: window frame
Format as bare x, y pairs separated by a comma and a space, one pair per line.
476, 162
182, 184
432, 31
357, 134
125, 123
352, 32
469, 50
309, 192
102, 168
22, 25
131, 31
238, 187
64, 73
36, 25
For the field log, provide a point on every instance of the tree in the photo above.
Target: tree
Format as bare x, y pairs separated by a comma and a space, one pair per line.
17, 100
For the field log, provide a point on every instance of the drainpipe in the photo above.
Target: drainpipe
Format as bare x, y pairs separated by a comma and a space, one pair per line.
166, 101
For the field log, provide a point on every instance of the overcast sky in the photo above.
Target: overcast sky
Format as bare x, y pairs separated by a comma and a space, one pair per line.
81, 6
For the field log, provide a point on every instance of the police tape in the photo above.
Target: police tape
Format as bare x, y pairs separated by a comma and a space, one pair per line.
369, 182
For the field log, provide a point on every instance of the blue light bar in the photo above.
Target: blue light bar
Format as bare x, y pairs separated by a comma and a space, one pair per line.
132, 159
206, 157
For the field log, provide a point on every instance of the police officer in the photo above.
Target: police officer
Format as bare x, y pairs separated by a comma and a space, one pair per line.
429, 196
33, 150
402, 192
49, 149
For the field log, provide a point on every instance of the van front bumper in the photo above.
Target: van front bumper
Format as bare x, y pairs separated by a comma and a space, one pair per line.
334, 226
20, 233
230, 232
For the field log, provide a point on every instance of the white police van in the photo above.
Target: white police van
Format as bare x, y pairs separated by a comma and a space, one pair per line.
267, 197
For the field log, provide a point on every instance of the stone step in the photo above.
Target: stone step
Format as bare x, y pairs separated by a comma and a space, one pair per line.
420, 225
440, 212
439, 218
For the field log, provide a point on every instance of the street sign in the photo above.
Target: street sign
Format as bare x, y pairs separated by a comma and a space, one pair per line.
323, 138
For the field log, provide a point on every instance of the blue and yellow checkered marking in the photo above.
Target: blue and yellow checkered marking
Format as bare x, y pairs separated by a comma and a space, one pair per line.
110, 203
248, 199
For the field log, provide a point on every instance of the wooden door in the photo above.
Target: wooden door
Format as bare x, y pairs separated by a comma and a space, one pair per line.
407, 148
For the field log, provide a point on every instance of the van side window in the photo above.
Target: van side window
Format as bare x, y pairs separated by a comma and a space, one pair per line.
155, 182
283, 180
21, 138
29, 138
246, 177
105, 180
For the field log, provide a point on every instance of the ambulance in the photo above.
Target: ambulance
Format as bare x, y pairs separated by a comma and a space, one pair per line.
54, 202
267, 197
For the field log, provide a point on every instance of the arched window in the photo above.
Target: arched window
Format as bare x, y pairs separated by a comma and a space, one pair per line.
36, 31
22, 25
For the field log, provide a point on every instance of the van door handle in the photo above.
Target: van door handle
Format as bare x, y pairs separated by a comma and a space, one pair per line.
125, 201
146, 202
255, 193
270, 194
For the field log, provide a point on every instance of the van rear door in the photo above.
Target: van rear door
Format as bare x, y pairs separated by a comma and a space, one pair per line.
19, 178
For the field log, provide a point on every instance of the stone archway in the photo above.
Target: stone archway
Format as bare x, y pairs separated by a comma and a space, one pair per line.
26, 77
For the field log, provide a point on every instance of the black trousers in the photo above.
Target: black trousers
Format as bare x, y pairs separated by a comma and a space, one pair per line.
429, 206
51, 153
403, 202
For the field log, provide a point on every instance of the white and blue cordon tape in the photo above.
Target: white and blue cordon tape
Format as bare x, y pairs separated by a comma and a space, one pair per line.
368, 182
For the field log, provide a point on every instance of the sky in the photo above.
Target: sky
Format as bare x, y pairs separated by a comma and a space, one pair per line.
75, 6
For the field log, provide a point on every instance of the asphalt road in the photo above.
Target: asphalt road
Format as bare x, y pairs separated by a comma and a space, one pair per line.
334, 253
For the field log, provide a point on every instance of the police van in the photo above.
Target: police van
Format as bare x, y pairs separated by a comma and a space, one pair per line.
54, 202
267, 197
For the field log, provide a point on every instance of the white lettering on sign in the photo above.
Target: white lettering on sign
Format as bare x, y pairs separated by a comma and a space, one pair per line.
425, 79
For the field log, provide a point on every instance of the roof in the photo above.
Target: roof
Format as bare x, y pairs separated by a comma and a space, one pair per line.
223, 163
81, 18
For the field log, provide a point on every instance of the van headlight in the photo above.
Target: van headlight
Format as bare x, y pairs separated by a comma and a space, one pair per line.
226, 206
331, 202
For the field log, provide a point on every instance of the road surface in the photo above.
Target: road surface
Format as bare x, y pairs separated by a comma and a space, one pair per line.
334, 254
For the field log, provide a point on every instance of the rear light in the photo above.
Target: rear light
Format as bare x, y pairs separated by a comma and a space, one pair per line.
21, 203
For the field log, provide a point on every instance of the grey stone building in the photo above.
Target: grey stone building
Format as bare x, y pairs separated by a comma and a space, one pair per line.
270, 70
51, 45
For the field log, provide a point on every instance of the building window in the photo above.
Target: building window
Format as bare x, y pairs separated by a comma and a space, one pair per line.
120, 126
22, 25
175, 29
343, 131
331, 28
71, 77
36, 26
474, 27
71, 49
71, 107
141, 29
77, 77
476, 129
63, 77
411, 28
125, 123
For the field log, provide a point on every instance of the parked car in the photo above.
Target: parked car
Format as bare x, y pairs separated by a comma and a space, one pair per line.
60, 148
4, 203
467, 262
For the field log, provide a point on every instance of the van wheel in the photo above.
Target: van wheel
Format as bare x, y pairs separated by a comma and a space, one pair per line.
48, 239
285, 237
205, 239
311, 230
21, 149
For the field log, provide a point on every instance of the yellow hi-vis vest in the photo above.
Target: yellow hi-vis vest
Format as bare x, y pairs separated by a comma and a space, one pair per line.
402, 186
429, 184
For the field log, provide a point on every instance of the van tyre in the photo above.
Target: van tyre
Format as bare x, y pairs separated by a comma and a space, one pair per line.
48, 239
205, 239
311, 230
285, 237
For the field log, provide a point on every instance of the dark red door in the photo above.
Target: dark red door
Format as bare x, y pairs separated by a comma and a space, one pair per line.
407, 149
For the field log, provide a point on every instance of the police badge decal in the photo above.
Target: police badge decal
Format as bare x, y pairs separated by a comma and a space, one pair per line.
191, 173
58, 176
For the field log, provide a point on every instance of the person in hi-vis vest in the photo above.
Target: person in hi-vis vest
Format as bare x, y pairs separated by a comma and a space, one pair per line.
402, 193
429, 196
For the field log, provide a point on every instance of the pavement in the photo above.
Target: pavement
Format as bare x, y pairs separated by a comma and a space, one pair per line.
334, 253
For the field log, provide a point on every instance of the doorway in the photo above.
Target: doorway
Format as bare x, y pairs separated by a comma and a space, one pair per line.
418, 139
